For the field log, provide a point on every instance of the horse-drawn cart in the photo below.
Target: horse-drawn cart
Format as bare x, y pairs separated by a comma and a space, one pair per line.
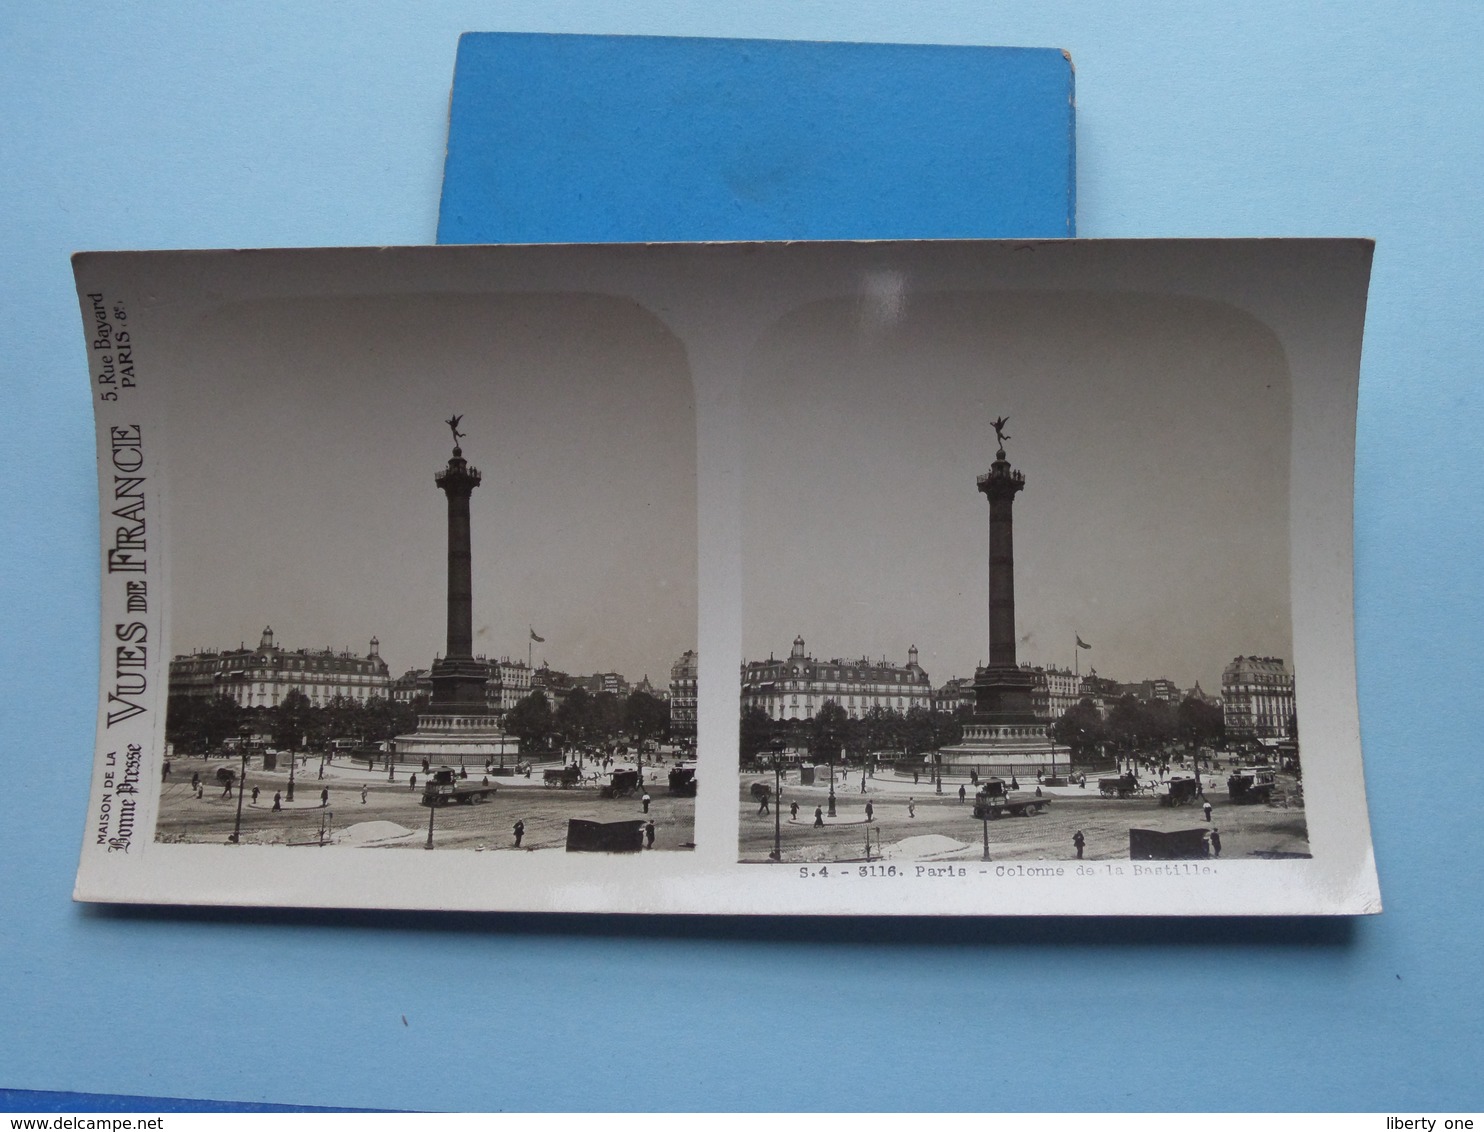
562, 776
622, 785
1124, 786
1182, 791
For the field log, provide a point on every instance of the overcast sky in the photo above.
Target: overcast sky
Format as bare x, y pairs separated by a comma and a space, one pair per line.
1153, 433
303, 451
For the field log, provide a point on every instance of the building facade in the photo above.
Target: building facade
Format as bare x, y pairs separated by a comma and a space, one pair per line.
1160, 688
411, 684
798, 687
263, 676
956, 693
683, 695
555, 684
509, 683
1257, 699
1056, 692
599, 682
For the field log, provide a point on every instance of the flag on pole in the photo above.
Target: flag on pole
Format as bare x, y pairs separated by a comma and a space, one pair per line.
541, 640
1081, 644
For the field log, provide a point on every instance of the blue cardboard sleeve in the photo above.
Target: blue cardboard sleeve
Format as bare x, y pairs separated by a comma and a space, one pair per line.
590, 138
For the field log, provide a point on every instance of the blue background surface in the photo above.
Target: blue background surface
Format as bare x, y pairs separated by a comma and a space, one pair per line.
188, 125
605, 138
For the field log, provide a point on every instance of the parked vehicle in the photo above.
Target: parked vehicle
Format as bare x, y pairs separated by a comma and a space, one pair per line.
1249, 785
1124, 786
605, 837
993, 799
445, 787
683, 781
1181, 792
563, 776
1176, 845
621, 785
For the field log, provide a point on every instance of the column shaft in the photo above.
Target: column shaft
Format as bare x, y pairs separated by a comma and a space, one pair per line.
1001, 583
460, 578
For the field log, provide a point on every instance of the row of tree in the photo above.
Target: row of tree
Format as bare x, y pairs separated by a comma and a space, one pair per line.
831, 730
1131, 725
587, 719
195, 724
582, 719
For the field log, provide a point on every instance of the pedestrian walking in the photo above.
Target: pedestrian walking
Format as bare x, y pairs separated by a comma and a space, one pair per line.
412, 781
1014, 782
1206, 809
762, 805
645, 801
165, 772
277, 801
649, 835
793, 810
363, 793
1079, 841
911, 807
520, 831
254, 795
962, 793
324, 797
199, 791
1215, 842
818, 817
870, 810
195, 780
914, 778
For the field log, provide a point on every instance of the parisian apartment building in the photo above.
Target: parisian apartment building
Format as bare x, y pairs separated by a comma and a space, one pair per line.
263, 676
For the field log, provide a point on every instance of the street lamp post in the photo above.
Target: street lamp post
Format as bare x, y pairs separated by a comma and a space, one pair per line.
432, 809
777, 853
241, 789
832, 777
293, 759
